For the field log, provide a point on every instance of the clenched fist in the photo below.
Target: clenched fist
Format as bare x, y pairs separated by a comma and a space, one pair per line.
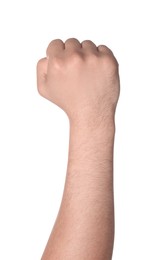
83, 80
80, 78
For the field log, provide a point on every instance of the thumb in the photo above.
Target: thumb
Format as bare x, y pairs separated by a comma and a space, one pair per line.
42, 75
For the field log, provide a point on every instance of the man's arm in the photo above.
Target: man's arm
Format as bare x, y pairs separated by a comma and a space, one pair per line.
83, 80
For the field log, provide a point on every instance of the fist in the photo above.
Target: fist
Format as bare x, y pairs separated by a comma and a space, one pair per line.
80, 78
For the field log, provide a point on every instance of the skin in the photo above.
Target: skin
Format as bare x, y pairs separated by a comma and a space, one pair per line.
83, 80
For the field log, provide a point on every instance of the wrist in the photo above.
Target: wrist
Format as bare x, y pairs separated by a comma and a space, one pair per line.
93, 122
97, 139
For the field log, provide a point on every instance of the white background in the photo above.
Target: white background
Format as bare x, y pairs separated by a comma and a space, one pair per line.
34, 133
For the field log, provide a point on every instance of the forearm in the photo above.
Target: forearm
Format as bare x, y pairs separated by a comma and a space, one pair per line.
84, 228
83, 80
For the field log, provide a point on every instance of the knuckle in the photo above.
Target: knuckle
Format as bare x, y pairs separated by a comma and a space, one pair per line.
108, 57
57, 63
103, 49
92, 60
75, 58
89, 42
71, 40
92, 57
110, 62
53, 43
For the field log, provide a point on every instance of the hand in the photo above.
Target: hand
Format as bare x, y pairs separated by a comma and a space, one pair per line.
80, 78
83, 80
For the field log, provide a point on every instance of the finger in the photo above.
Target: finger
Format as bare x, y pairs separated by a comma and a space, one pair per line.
89, 45
42, 75
72, 44
104, 49
55, 47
